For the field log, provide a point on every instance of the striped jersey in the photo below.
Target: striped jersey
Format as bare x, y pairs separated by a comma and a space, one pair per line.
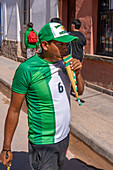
47, 89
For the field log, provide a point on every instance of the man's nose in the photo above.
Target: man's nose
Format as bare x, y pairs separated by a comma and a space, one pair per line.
65, 48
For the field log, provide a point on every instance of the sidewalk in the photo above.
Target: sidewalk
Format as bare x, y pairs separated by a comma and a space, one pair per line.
92, 122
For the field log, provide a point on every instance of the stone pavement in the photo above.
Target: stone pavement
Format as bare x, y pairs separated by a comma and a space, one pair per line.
19, 142
92, 122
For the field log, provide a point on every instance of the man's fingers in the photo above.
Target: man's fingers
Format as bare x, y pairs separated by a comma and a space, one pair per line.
7, 163
6, 159
75, 62
76, 65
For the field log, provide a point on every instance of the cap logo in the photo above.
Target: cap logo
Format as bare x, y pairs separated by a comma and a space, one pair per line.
57, 26
62, 27
58, 30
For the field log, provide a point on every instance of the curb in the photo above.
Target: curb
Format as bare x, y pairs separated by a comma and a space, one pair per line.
91, 142
21, 59
99, 88
5, 83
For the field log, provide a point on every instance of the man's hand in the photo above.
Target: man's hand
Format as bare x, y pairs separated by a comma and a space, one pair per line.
6, 158
75, 65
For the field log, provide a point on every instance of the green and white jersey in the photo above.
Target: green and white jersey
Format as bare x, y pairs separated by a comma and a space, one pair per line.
47, 89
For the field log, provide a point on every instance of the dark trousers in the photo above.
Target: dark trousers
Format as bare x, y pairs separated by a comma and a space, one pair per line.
48, 157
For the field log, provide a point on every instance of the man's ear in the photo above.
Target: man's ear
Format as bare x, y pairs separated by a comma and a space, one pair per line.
45, 45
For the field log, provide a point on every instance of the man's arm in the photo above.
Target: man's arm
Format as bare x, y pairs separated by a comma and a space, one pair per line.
76, 66
10, 126
83, 52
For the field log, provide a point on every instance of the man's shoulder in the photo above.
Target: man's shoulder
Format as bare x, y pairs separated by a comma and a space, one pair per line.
82, 34
23, 66
28, 61
78, 34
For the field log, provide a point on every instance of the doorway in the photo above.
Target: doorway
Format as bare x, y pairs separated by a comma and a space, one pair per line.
71, 10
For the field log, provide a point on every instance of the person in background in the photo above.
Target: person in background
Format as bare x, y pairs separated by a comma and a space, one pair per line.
57, 20
31, 40
77, 49
43, 82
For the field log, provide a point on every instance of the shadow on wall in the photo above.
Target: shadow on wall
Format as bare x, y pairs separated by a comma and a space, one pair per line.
21, 162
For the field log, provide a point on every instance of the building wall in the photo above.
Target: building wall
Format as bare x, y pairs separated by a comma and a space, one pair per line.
38, 14
9, 29
98, 70
11, 19
12, 23
86, 11
42, 11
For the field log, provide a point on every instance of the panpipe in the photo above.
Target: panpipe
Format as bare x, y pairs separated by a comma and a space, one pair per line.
72, 76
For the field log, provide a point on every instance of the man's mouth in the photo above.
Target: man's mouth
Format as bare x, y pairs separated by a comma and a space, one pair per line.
63, 56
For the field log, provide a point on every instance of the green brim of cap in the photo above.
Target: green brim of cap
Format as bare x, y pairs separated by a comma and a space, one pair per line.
66, 38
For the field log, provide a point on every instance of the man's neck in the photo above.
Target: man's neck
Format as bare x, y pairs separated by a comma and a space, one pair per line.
46, 57
75, 30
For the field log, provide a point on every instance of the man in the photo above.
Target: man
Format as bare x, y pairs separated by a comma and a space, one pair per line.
44, 82
31, 40
77, 49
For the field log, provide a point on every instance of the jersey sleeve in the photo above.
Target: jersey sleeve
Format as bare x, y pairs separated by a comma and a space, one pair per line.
21, 80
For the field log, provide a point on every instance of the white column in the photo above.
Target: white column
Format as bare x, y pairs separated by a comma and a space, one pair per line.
4, 20
18, 28
31, 10
18, 37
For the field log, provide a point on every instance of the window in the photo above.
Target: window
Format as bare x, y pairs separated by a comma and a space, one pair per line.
105, 27
26, 11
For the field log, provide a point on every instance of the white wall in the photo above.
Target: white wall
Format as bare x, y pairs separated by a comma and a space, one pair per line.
11, 19
4, 20
38, 13
41, 11
53, 8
